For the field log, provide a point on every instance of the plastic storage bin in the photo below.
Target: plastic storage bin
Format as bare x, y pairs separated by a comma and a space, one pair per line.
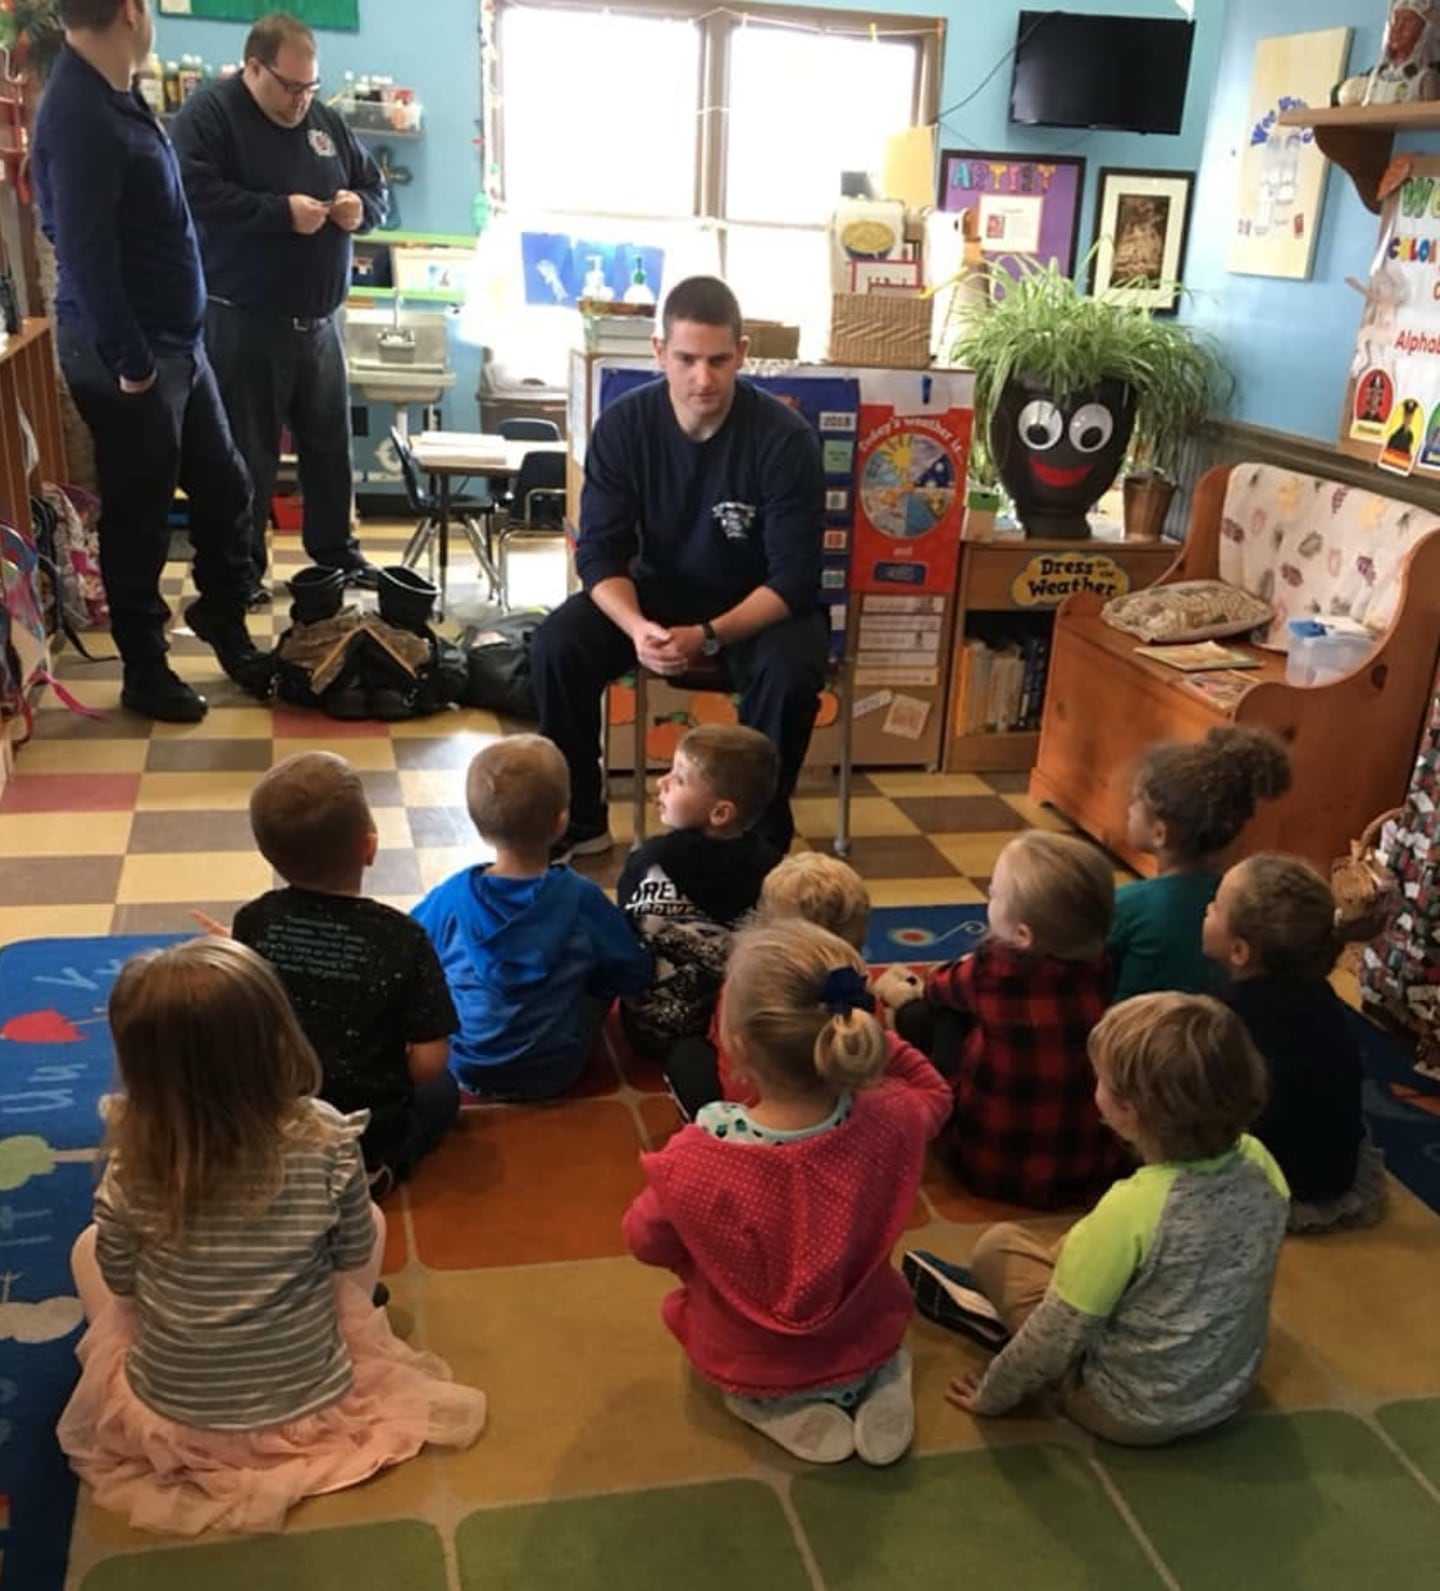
1322, 651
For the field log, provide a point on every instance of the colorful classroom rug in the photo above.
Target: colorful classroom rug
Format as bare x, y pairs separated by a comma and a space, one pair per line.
607, 1466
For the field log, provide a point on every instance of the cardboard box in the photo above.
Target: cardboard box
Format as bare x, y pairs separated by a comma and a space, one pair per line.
772, 339
880, 329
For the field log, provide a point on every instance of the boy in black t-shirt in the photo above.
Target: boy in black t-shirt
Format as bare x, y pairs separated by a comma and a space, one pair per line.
683, 892
363, 978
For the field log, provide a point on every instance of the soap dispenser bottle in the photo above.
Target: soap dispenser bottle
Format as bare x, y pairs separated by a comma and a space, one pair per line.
638, 291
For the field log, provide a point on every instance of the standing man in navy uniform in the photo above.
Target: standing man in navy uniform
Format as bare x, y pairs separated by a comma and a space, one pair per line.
277, 184
130, 309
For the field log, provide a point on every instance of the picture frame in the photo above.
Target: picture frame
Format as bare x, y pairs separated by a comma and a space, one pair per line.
1028, 206
868, 275
1142, 227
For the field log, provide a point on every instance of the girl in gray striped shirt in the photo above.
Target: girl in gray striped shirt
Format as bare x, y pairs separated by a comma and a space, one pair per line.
234, 1361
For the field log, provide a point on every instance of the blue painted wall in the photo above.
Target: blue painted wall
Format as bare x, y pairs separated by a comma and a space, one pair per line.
1289, 342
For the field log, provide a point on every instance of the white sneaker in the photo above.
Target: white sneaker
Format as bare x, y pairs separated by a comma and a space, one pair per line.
820, 1433
885, 1421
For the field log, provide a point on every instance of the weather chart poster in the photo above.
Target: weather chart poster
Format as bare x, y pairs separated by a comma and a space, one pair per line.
1394, 402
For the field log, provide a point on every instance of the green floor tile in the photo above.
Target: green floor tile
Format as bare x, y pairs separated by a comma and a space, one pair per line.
720, 1537
1414, 1427
403, 1556
1313, 1500
1011, 1519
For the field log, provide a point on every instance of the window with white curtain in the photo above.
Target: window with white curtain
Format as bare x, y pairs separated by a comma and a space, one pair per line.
676, 108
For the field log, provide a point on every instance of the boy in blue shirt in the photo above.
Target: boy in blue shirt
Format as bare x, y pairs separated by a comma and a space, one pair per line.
533, 953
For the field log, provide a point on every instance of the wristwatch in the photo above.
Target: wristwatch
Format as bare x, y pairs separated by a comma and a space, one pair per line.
710, 646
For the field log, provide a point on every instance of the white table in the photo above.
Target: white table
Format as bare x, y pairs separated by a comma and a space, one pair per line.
446, 454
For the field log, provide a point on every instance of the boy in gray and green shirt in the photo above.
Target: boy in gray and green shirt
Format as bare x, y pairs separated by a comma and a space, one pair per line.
1153, 1314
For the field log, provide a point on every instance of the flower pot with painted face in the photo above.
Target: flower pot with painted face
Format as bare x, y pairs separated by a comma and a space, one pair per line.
1058, 455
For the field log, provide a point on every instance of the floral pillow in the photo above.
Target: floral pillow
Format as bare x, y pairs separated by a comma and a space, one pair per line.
1189, 610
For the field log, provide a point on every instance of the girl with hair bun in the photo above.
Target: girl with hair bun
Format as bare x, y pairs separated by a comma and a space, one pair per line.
779, 1217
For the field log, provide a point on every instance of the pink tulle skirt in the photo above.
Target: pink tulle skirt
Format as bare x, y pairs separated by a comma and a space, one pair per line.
165, 1476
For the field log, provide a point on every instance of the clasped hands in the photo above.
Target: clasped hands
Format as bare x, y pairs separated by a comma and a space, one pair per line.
670, 650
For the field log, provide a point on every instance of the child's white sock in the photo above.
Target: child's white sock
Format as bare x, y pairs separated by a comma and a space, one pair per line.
885, 1421
820, 1433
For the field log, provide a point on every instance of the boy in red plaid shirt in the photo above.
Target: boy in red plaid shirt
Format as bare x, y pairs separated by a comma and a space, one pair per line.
1010, 1024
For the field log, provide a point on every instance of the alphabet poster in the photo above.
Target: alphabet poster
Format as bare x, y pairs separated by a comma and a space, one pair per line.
1392, 401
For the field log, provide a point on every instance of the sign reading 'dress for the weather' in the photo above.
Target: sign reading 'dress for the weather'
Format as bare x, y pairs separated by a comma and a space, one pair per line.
1050, 577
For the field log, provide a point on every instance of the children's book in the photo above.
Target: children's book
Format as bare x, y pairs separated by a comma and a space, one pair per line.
1199, 655
1223, 689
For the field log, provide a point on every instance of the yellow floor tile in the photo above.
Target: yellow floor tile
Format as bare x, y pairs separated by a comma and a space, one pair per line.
392, 824
925, 892
440, 863
52, 922
573, 1409
974, 854
871, 817
83, 756
370, 754
462, 720
195, 792
222, 723
59, 834
900, 783
198, 875
1039, 817
433, 787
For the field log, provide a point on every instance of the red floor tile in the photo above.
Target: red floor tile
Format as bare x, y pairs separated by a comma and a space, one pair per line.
70, 792
298, 723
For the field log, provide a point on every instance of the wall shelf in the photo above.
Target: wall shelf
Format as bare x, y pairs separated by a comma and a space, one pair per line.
1360, 138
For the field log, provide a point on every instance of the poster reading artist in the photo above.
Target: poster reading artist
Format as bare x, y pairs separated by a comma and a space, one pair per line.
1394, 387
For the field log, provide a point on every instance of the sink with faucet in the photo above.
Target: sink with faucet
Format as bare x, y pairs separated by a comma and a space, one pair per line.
398, 355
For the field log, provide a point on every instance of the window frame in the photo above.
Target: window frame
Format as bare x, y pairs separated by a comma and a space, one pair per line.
718, 25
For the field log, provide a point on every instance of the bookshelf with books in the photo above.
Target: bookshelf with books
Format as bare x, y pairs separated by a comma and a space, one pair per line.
1008, 592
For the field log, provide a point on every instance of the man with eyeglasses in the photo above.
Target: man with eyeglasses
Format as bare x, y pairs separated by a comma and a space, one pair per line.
130, 307
277, 184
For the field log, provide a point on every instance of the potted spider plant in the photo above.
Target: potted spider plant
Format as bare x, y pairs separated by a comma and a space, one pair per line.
1064, 383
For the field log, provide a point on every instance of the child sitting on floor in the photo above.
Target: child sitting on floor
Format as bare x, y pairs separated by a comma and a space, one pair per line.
234, 1362
1274, 927
1189, 803
1153, 1315
363, 979
686, 890
1010, 1023
779, 1218
534, 953
815, 887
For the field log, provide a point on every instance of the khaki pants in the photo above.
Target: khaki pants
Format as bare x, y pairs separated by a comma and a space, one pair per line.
1013, 1270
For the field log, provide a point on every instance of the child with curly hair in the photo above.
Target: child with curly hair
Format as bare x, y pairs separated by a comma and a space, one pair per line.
1189, 804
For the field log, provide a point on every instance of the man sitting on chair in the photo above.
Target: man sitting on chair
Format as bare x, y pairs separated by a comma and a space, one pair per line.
700, 535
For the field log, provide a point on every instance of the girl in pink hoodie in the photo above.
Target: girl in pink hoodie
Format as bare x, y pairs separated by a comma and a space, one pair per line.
779, 1217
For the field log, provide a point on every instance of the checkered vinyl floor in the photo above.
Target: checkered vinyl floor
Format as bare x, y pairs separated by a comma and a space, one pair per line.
121, 825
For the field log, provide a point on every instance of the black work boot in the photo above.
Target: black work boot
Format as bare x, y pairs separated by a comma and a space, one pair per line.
251, 669
316, 594
407, 599
155, 690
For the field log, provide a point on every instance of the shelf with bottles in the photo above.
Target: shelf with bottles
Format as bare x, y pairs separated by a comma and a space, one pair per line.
377, 107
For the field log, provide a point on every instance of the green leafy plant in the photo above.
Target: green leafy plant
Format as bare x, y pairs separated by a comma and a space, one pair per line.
1043, 328
36, 25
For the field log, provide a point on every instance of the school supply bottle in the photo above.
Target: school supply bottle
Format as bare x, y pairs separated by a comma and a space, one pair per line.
638, 291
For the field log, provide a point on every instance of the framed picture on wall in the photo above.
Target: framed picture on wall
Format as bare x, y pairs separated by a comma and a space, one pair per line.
1027, 206
1142, 223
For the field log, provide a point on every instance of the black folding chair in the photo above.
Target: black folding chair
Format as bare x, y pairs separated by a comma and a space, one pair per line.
474, 515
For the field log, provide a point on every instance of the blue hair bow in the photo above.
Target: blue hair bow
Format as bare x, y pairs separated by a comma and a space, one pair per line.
843, 990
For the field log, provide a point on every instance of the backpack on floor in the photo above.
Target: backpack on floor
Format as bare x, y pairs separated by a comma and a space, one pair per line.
22, 621
498, 658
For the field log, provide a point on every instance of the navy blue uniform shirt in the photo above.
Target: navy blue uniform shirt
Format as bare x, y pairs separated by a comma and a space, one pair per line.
240, 169
706, 523
112, 203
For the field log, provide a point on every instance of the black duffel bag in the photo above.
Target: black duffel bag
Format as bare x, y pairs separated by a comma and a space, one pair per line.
498, 657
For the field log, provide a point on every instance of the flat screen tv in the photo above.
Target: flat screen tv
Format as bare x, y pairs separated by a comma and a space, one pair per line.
1127, 73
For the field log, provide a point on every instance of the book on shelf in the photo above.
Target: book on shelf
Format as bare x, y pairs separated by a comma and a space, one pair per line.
1000, 688
1198, 656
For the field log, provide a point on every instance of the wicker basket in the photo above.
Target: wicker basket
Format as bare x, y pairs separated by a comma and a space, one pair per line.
1363, 884
891, 331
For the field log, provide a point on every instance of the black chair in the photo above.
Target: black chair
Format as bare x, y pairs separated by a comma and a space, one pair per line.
537, 503
526, 429
474, 515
